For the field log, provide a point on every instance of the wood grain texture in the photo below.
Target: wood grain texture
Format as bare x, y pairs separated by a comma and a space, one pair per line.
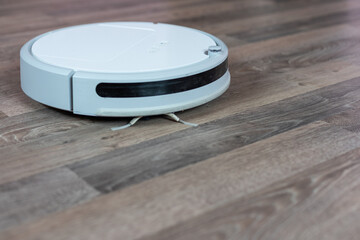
37, 124
299, 26
41, 194
307, 11
275, 157
176, 197
57, 147
308, 205
134, 164
250, 89
2, 115
349, 119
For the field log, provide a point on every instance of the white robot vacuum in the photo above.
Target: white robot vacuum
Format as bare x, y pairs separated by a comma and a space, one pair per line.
124, 69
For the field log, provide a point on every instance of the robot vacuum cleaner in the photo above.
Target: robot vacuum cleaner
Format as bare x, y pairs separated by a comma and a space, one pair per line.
124, 69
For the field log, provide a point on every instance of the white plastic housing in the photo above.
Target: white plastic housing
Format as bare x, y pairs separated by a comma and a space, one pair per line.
62, 68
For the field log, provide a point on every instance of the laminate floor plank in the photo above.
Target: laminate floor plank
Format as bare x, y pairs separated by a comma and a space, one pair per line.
163, 12
348, 120
100, 142
250, 11
282, 141
123, 167
126, 8
289, 16
292, 43
76, 14
47, 152
38, 124
13, 100
41, 194
2, 115
18, 103
238, 57
299, 26
319, 203
251, 87
181, 195
253, 84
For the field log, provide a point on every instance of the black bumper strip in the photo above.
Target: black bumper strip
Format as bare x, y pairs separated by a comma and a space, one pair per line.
146, 89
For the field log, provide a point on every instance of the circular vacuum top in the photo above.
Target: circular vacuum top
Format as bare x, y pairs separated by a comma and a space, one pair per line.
124, 68
122, 47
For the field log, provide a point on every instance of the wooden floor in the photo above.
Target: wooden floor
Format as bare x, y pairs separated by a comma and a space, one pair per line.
276, 157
